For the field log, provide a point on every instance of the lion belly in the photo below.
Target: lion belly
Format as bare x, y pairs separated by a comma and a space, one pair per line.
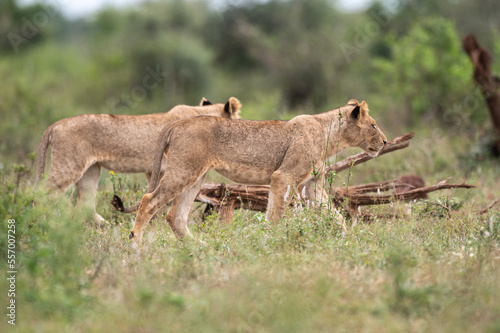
126, 165
246, 174
136, 164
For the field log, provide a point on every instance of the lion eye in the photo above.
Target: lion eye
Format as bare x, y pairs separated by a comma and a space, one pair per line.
374, 126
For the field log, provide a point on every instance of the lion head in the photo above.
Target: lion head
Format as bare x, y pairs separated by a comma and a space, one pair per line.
362, 130
232, 108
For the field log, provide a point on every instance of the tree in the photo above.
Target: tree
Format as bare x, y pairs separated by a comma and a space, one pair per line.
290, 40
428, 72
488, 83
23, 27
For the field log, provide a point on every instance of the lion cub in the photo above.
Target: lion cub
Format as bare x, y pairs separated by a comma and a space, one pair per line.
280, 153
83, 144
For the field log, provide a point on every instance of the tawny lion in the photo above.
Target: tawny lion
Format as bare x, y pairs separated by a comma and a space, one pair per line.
280, 153
83, 144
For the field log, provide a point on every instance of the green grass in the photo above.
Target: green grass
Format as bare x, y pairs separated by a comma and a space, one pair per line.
423, 272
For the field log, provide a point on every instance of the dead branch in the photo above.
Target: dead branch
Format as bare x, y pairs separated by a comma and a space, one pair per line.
376, 187
342, 195
490, 206
393, 145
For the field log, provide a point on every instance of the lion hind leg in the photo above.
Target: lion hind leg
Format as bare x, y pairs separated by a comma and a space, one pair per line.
66, 168
61, 178
87, 191
170, 187
148, 176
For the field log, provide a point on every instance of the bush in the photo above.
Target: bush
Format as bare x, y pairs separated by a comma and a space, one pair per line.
429, 74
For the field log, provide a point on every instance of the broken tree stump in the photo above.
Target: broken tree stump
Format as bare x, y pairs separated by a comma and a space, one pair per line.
489, 84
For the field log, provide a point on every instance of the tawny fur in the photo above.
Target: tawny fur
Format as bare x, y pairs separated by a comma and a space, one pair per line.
412, 182
280, 153
83, 144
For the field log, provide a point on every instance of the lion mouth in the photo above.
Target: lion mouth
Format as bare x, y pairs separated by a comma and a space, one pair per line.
373, 151
369, 149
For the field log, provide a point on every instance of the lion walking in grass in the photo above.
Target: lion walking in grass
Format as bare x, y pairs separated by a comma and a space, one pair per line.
84, 144
280, 153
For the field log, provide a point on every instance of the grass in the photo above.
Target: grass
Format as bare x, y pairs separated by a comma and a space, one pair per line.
427, 271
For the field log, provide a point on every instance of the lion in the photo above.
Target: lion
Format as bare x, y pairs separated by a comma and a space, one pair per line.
84, 144
284, 154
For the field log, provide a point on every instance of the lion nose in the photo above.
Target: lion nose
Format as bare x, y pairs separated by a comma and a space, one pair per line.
385, 142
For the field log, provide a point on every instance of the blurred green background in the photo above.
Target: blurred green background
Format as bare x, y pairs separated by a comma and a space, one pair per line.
421, 271
280, 58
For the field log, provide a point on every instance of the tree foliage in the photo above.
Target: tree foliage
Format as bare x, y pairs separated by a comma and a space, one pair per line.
296, 47
428, 71
279, 57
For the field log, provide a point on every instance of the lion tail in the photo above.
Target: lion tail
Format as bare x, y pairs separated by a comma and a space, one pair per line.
162, 146
42, 153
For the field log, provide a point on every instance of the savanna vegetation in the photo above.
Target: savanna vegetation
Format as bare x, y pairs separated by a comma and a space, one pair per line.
433, 268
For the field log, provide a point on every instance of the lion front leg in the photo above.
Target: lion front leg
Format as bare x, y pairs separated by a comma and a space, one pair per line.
280, 185
150, 204
177, 217
313, 193
171, 186
147, 209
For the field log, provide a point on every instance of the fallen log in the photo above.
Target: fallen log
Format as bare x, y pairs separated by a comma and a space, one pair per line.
225, 197
354, 199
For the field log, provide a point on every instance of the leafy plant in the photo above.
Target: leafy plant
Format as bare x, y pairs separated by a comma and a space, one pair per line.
440, 208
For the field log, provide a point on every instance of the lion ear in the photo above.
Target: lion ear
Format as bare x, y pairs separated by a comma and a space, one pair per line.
360, 110
355, 112
232, 106
352, 102
364, 106
205, 102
